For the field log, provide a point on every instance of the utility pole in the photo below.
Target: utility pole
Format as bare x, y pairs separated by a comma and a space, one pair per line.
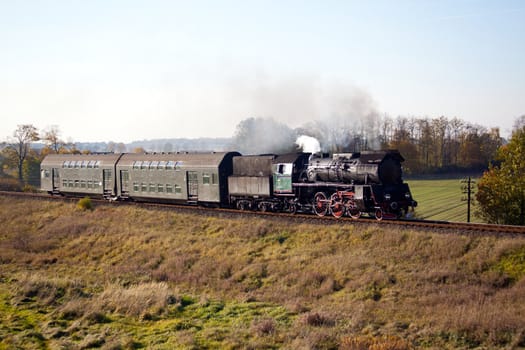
468, 189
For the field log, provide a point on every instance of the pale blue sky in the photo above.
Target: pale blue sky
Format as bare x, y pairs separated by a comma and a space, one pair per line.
128, 70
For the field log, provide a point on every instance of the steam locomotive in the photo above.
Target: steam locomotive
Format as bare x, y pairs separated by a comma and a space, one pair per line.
344, 184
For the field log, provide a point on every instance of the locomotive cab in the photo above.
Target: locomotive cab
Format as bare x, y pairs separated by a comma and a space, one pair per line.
288, 169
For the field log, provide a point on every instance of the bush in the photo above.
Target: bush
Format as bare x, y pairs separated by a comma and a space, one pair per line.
85, 204
9, 184
29, 189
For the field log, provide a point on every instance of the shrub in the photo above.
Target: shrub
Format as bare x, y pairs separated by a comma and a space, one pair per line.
9, 184
85, 204
263, 326
318, 320
29, 189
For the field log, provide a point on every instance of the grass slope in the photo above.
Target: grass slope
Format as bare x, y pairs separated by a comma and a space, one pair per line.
441, 200
127, 278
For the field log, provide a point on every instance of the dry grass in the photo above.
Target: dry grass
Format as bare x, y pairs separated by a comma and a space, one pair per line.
126, 273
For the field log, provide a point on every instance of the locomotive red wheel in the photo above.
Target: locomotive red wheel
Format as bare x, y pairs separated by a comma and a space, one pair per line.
336, 206
320, 204
379, 214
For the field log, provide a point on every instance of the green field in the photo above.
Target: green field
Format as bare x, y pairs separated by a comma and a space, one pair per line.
441, 200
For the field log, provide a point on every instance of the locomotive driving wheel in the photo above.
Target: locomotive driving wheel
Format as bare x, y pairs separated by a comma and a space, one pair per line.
352, 210
336, 206
379, 214
320, 204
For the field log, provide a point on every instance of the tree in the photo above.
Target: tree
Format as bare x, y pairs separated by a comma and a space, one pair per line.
501, 190
23, 136
31, 169
138, 150
52, 139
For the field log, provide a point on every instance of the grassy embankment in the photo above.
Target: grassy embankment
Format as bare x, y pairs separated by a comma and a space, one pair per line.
441, 200
125, 278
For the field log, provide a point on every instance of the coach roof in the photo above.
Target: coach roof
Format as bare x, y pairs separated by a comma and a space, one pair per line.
211, 159
57, 160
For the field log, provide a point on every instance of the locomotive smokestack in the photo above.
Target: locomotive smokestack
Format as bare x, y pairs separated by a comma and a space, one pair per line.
308, 144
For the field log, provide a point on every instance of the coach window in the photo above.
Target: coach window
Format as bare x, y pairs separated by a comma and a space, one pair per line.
160, 188
169, 188
152, 187
64, 183
144, 165
64, 165
143, 187
178, 166
205, 179
136, 186
170, 165
178, 189
97, 164
136, 164
214, 179
153, 165
161, 165
83, 164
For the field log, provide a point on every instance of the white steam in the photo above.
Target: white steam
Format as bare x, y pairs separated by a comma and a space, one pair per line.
308, 144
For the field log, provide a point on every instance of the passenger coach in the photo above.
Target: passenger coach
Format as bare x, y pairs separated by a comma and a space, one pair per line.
80, 174
175, 177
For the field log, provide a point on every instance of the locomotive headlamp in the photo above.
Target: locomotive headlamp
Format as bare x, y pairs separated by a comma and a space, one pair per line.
407, 195
387, 196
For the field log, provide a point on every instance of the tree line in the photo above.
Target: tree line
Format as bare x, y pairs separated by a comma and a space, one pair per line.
429, 145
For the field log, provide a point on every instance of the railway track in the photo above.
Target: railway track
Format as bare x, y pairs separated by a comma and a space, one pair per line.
444, 226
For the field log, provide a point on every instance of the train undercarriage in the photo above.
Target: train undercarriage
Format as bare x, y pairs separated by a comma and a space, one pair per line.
331, 199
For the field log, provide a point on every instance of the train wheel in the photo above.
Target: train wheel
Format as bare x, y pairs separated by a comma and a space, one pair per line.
336, 206
352, 209
379, 214
243, 205
354, 213
262, 207
320, 204
292, 208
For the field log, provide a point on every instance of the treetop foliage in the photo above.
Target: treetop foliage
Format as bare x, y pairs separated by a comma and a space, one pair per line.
501, 190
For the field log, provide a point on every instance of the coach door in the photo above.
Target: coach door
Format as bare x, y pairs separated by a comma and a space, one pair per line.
55, 179
107, 181
193, 185
124, 182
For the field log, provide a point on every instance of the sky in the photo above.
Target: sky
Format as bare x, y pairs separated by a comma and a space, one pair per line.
111, 70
